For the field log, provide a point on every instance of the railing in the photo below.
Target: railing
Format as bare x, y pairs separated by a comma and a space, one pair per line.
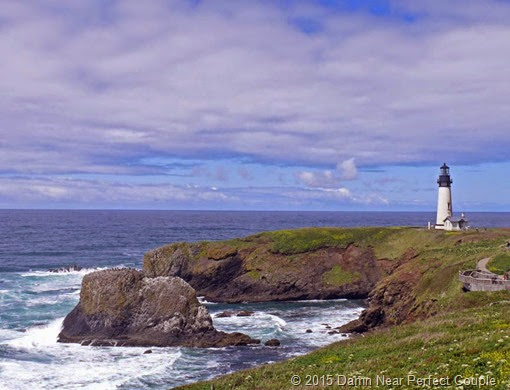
476, 280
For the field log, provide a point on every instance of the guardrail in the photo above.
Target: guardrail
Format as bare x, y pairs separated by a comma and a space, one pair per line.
476, 280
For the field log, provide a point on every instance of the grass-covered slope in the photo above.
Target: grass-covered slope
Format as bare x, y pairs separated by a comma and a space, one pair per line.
467, 343
290, 242
500, 263
426, 323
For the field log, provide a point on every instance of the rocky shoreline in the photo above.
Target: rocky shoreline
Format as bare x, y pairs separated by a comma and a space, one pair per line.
158, 306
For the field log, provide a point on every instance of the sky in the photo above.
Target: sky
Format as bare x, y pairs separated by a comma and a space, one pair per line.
254, 104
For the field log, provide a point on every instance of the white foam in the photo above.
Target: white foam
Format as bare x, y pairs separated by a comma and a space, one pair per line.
71, 366
61, 272
279, 321
7, 334
320, 336
52, 300
89, 368
205, 302
259, 325
320, 300
79, 367
39, 336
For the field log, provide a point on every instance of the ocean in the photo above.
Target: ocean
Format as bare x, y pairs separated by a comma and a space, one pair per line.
34, 301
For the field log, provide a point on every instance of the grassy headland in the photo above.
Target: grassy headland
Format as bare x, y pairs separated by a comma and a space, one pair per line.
426, 325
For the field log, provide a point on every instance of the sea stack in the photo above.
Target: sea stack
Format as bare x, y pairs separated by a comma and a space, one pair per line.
123, 307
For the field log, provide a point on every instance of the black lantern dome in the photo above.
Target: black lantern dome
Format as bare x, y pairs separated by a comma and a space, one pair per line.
444, 176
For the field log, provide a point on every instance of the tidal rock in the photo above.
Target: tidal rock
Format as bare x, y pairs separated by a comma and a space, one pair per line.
124, 307
245, 313
309, 331
369, 319
272, 343
147, 352
230, 313
224, 314
69, 268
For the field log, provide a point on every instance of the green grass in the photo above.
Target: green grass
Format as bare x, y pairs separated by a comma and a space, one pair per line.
254, 274
310, 239
338, 276
500, 263
474, 342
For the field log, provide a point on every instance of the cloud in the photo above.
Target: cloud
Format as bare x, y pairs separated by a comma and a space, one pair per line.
68, 192
62, 192
318, 179
108, 85
345, 170
95, 89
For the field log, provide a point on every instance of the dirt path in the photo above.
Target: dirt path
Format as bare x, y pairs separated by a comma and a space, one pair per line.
482, 265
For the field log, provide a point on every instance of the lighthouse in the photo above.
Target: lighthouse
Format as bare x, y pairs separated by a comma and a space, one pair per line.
444, 196
444, 218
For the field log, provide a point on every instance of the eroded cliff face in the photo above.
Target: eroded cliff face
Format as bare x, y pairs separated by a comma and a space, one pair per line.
405, 273
226, 274
124, 307
391, 302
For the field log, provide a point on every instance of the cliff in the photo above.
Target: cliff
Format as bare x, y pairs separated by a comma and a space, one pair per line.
284, 265
123, 307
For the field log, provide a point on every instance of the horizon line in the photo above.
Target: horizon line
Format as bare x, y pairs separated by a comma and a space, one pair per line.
237, 210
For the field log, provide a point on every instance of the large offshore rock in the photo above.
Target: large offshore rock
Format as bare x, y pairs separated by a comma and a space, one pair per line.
123, 307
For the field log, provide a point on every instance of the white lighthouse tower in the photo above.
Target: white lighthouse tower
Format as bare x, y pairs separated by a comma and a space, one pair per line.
444, 218
444, 197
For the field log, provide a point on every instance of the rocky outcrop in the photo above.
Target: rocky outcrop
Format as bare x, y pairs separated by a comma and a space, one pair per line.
272, 343
254, 273
124, 307
231, 313
69, 268
393, 301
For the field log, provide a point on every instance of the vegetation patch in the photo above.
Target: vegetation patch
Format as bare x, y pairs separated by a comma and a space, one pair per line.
499, 264
311, 239
219, 250
254, 274
338, 276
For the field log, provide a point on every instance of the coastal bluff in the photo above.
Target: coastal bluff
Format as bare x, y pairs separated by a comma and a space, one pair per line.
303, 264
402, 272
123, 307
